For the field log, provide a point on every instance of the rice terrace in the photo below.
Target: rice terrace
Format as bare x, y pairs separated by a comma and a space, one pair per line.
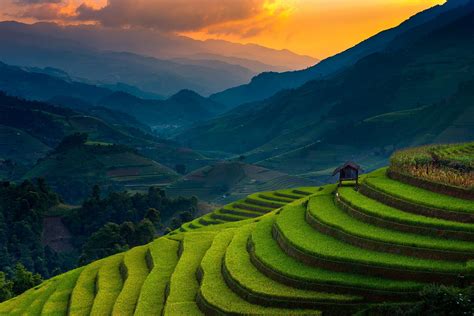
314, 250
237, 157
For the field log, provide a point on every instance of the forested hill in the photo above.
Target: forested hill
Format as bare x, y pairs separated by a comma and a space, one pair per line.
417, 90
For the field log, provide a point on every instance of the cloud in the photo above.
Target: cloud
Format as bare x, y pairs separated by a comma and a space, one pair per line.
45, 12
30, 2
172, 15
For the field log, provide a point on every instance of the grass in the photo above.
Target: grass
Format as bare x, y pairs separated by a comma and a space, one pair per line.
83, 294
183, 309
241, 269
325, 211
379, 181
36, 307
289, 195
269, 253
152, 296
137, 272
29, 302
242, 213
215, 290
247, 206
253, 206
270, 196
377, 209
300, 235
58, 302
183, 284
109, 285
256, 199
226, 217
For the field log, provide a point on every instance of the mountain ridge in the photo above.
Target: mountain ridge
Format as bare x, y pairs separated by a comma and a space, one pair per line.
396, 79
267, 84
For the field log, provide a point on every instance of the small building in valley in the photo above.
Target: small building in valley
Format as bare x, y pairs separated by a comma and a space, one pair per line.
348, 172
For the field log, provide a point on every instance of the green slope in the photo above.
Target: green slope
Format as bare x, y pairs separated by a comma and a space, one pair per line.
306, 251
401, 92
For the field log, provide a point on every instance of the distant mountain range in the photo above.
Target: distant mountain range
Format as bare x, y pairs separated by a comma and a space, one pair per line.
152, 62
182, 109
415, 89
267, 84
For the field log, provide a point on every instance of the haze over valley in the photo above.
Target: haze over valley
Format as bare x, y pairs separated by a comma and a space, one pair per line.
257, 157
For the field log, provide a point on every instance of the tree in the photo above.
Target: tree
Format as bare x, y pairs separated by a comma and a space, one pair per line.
145, 232
433, 300
175, 223
186, 216
127, 231
6, 288
95, 193
24, 280
72, 141
154, 216
105, 242
443, 300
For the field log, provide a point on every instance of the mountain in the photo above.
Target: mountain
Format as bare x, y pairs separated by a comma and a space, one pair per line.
40, 126
17, 145
227, 181
73, 171
28, 83
148, 42
107, 115
267, 84
254, 65
184, 108
109, 57
413, 80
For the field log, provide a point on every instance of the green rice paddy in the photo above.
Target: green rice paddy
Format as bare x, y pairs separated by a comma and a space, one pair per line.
269, 251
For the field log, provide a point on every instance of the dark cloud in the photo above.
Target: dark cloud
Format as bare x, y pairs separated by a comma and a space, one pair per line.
171, 15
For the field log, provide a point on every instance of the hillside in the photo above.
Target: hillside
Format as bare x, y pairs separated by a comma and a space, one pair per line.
267, 84
73, 171
401, 93
19, 146
34, 85
32, 117
302, 251
182, 109
228, 181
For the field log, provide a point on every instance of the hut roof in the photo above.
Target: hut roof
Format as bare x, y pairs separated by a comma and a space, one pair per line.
349, 164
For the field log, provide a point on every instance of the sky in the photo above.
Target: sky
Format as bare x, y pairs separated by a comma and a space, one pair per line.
318, 28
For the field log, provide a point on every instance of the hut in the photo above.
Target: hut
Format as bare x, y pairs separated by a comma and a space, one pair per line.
348, 172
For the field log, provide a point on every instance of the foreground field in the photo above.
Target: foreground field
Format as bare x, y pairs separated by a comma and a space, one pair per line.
308, 251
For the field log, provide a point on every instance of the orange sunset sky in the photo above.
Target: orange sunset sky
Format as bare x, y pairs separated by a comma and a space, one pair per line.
318, 28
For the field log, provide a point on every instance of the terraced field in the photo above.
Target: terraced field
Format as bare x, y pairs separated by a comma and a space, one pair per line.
253, 206
308, 251
446, 169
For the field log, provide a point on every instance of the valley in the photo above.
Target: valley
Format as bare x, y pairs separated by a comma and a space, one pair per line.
188, 161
